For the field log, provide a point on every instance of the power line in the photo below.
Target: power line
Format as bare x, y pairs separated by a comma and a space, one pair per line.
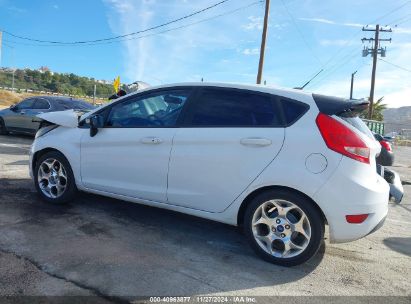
301, 33
396, 21
334, 68
119, 36
143, 36
390, 12
403, 21
395, 65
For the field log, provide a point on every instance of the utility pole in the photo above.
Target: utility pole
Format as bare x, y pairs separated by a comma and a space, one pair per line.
94, 94
12, 83
374, 51
1, 45
352, 83
263, 39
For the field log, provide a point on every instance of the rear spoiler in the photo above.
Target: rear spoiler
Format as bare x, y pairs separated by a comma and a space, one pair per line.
340, 106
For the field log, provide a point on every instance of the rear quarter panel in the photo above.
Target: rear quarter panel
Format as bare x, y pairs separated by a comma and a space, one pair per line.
289, 169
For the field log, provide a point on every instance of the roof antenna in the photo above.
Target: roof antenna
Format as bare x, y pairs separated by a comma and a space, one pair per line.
302, 88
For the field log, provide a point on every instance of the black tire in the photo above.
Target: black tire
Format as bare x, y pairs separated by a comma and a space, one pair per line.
71, 188
314, 216
3, 129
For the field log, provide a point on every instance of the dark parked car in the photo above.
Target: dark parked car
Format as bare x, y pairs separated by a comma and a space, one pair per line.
386, 157
19, 117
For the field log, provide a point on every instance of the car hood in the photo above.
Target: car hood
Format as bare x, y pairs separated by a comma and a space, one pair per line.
68, 118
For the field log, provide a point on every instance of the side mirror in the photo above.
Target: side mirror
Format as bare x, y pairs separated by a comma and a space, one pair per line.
13, 107
96, 122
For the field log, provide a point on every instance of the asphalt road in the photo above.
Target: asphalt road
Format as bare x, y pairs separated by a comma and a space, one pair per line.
105, 247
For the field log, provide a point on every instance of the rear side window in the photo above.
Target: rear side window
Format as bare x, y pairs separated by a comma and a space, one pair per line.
293, 110
41, 103
232, 108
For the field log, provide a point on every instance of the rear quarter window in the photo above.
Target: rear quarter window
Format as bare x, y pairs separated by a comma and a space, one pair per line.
293, 110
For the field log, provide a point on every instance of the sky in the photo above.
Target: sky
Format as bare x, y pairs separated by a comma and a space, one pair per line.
220, 44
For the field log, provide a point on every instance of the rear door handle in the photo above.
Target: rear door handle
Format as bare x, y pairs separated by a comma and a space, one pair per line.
151, 140
255, 141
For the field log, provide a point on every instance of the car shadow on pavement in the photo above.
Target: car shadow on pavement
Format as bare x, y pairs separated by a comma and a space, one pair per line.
399, 244
125, 249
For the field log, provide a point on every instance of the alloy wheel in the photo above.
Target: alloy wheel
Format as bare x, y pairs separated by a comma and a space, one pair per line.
52, 178
281, 228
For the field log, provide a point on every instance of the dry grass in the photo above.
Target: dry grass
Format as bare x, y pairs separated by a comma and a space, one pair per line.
8, 98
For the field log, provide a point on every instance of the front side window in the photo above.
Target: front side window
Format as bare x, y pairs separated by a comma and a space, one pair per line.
25, 104
153, 110
232, 108
41, 104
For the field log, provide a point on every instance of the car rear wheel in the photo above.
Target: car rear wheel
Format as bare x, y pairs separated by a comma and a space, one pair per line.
3, 129
283, 227
54, 179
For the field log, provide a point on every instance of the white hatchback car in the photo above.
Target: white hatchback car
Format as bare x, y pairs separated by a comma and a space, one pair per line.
279, 163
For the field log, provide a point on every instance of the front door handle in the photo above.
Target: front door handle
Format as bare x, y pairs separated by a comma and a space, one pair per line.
151, 140
255, 141
22, 113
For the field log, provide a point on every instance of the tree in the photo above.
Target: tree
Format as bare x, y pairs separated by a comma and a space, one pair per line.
378, 108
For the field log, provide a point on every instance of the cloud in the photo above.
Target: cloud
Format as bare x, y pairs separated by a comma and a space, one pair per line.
337, 42
320, 20
351, 24
255, 23
327, 21
254, 51
179, 54
131, 17
402, 30
17, 10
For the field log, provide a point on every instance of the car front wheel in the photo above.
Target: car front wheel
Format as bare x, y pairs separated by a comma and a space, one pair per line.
3, 129
284, 227
54, 179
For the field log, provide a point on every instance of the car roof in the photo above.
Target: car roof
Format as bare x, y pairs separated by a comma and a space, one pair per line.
253, 87
59, 98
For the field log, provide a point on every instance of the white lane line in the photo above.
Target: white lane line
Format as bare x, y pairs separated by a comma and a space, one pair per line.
15, 146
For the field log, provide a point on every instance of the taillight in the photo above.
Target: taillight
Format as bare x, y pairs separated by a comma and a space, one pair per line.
342, 139
386, 145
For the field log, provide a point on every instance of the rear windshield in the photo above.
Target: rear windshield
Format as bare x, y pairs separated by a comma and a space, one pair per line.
357, 123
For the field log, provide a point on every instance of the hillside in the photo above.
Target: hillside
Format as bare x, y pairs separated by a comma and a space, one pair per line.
397, 119
61, 83
8, 98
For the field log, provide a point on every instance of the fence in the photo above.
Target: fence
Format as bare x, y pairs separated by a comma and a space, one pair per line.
375, 126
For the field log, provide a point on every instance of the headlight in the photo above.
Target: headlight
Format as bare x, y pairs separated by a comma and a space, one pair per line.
45, 130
